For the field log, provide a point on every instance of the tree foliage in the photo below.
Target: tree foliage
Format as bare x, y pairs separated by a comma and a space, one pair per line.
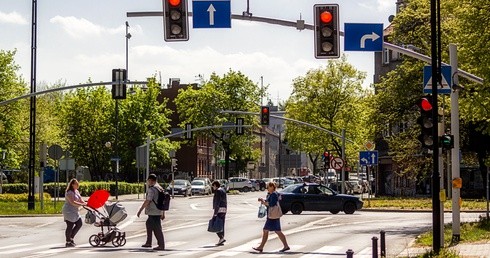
330, 97
202, 106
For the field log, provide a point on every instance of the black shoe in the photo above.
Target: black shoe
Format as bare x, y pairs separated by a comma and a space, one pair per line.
69, 244
159, 248
221, 241
146, 245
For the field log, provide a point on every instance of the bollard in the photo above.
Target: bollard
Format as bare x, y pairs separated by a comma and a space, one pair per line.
382, 243
375, 247
350, 253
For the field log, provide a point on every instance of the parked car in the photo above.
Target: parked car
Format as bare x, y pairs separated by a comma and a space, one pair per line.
354, 187
315, 197
240, 183
180, 187
200, 187
207, 180
257, 185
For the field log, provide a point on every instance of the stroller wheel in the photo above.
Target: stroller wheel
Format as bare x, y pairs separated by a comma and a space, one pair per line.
121, 241
94, 240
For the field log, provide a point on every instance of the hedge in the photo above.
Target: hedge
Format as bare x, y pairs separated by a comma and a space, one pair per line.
85, 188
9, 197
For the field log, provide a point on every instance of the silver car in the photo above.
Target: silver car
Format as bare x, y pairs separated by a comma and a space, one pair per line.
200, 187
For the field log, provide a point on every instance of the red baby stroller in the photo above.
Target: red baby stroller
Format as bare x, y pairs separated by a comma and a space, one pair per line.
105, 215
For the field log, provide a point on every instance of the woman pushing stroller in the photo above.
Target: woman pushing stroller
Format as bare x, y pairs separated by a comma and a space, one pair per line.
73, 220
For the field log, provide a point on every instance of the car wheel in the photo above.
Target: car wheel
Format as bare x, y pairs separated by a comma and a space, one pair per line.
284, 211
246, 189
349, 208
185, 194
334, 211
262, 188
296, 208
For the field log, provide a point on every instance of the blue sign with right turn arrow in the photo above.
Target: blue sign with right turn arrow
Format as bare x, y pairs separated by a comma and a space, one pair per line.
367, 158
363, 37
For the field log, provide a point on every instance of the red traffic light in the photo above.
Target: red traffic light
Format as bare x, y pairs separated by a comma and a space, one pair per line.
326, 17
265, 110
174, 2
425, 104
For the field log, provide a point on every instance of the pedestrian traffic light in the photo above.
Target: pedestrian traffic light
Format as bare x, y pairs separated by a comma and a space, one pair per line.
327, 33
426, 123
174, 165
175, 21
447, 141
119, 77
264, 115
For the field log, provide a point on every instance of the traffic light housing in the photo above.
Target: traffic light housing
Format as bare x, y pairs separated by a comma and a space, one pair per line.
327, 33
426, 123
119, 77
326, 159
174, 165
447, 141
175, 21
264, 115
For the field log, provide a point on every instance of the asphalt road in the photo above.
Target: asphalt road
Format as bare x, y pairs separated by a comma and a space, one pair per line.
311, 234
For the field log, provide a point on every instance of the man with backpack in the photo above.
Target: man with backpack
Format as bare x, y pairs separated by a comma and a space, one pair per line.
151, 205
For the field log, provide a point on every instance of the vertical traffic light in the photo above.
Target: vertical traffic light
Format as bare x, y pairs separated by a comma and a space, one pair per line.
264, 115
175, 21
119, 78
426, 123
327, 33
326, 159
447, 141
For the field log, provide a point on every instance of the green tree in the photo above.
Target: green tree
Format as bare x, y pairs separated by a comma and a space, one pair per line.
12, 133
330, 97
201, 106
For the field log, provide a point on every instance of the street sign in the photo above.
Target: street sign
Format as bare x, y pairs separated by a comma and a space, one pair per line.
368, 158
211, 14
55, 152
337, 163
369, 145
363, 37
446, 80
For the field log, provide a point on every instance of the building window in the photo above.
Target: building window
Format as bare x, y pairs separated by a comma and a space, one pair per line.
386, 56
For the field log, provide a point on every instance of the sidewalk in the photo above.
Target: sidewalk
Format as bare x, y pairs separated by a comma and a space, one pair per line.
466, 250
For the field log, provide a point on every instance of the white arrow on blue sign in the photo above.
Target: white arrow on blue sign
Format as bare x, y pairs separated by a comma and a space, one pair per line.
211, 14
363, 37
368, 158
446, 80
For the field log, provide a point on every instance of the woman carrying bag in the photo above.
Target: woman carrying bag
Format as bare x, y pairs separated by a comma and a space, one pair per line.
273, 222
219, 207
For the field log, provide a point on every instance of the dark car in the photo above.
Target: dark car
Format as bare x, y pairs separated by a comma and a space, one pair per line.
181, 187
315, 197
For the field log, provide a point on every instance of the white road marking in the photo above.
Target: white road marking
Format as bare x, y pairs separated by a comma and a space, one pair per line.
13, 246
326, 250
20, 250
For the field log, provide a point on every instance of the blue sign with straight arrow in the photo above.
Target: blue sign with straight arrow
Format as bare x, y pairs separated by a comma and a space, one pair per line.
211, 14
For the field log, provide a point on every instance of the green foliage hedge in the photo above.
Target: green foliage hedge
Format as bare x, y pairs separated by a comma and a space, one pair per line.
9, 197
86, 188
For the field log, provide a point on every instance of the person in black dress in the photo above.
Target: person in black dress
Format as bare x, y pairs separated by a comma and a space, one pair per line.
271, 200
219, 207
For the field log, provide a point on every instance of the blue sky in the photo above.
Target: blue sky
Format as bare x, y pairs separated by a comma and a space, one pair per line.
78, 40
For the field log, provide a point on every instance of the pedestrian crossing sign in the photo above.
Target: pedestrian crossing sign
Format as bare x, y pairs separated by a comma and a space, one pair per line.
445, 84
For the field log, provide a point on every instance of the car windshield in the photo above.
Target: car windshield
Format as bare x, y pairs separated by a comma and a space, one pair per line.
178, 182
197, 182
289, 189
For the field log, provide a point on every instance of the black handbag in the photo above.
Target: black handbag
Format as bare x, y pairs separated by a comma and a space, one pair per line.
216, 225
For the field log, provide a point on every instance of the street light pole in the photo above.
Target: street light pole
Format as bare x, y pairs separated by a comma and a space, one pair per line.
128, 36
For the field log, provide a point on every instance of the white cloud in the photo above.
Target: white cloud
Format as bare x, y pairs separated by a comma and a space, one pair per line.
384, 5
81, 28
12, 17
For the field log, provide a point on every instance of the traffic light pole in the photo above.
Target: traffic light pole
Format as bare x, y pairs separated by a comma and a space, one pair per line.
455, 162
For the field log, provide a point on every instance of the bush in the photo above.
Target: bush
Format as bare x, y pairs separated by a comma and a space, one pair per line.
6, 197
86, 188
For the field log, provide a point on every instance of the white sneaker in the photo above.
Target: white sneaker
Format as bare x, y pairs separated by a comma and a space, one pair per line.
221, 241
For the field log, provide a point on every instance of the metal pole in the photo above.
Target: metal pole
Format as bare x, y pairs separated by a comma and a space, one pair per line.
148, 141
455, 163
128, 36
488, 194
383, 243
375, 247
116, 145
32, 111
436, 208
342, 176
350, 253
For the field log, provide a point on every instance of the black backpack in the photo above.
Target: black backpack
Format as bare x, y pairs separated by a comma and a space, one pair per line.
163, 200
